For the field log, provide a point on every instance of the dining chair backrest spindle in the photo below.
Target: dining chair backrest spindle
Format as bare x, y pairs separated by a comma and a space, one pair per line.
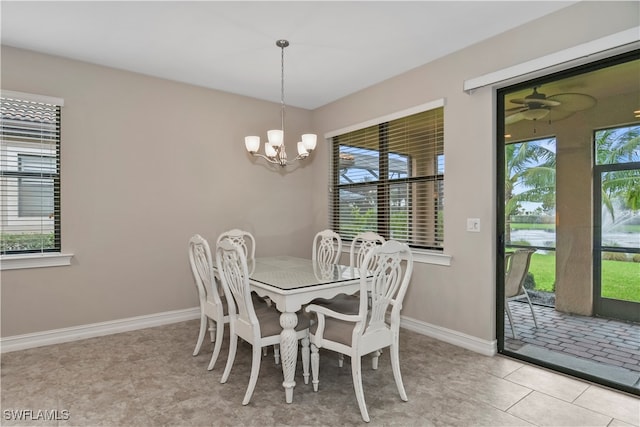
327, 247
244, 240
361, 245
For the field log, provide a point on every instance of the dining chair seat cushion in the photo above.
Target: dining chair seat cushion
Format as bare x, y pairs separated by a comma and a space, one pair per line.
336, 330
257, 300
269, 319
347, 304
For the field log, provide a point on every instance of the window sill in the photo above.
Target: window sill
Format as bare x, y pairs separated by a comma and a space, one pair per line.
430, 257
15, 262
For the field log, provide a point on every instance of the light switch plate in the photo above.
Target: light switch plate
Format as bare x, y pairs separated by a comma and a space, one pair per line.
473, 224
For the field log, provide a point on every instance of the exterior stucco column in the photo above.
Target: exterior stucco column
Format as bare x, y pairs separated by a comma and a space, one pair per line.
574, 230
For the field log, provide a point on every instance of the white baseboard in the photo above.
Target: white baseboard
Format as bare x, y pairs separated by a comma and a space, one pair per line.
58, 336
488, 348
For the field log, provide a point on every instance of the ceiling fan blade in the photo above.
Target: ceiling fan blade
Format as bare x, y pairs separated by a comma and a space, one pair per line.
546, 102
522, 108
558, 114
513, 118
574, 101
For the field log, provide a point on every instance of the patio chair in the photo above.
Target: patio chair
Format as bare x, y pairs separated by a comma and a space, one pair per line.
517, 268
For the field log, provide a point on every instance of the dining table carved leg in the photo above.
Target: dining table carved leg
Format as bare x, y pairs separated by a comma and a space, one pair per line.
288, 352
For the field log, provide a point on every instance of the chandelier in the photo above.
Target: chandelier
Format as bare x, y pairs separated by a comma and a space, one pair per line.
274, 148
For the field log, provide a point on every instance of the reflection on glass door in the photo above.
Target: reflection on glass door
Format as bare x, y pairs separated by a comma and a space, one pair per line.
617, 222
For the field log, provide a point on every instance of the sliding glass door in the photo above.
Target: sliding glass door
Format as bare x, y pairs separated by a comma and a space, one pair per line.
617, 223
568, 184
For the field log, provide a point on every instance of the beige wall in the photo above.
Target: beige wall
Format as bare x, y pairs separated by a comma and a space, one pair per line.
143, 170
146, 163
462, 297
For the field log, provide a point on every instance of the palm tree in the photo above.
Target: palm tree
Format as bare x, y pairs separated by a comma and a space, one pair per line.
615, 146
532, 167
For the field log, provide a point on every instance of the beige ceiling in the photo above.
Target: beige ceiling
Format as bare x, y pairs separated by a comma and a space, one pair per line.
337, 48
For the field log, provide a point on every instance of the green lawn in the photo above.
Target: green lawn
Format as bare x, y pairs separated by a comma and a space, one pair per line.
623, 228
620, 280
522, 226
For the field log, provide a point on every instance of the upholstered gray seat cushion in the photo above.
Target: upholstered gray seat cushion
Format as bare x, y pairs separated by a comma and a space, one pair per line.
347, 304
335, 330
269, 319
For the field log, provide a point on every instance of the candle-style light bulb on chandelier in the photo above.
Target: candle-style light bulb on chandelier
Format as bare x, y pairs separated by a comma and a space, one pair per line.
274, 149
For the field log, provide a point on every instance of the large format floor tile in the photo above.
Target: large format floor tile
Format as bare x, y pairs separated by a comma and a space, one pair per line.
150, 378
544, 410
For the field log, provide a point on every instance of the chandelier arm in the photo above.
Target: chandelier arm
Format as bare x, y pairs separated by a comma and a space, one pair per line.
267, 158
279, 161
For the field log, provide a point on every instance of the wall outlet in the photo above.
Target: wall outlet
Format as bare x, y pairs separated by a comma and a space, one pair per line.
473, 224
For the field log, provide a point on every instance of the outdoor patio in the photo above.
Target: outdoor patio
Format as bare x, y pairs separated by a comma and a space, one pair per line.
606, 348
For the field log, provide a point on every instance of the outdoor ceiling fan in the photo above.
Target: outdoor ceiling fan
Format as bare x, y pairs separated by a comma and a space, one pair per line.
536, 106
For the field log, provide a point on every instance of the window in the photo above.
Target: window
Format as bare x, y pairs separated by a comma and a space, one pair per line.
35, 195
389, 178
29, 174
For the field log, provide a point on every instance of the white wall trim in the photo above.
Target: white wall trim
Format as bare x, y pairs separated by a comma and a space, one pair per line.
393, 116
584, 50
431, 257
58, 336
35, 260
487, 348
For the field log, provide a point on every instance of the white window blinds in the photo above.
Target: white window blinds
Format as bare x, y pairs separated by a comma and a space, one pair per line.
389, 178
29, 173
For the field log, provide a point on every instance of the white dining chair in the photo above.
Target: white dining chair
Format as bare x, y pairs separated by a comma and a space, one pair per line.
327, 247
213, 306
361, 244
244, 240
372, 328
260, 328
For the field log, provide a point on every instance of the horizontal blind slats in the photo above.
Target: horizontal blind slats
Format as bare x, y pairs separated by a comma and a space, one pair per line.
388, 179
29, 176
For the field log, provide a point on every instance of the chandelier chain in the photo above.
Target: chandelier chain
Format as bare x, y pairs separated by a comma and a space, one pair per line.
282, 87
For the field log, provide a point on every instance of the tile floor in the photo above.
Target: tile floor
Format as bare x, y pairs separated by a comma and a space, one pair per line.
149, 378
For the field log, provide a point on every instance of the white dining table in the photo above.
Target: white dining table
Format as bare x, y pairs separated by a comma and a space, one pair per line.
291, 282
